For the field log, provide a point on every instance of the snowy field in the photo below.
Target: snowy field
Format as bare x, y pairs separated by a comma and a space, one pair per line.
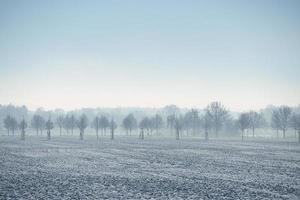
66, 168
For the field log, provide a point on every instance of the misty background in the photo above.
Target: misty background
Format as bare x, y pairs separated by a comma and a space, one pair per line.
193, 121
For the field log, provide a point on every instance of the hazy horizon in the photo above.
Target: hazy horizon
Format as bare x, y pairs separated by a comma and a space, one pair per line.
72, 54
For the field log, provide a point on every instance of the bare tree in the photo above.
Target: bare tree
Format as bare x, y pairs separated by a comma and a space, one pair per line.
143, 125
60, 123
112, 127
297, 124
275, 123
158, 123
256, 120
67, 123
13, 125
151, 124
293, 123
104, 124
129, 123
23, 126
243, 123
170, 122
72, 123
38, 123
206, 123
178, 126
7, 123
284, 115
82, 123
187, 122
219, 114
95, 125
195, 120
42, 124
49, 126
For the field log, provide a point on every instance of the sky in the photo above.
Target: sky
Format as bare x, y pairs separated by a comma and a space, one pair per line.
71, 54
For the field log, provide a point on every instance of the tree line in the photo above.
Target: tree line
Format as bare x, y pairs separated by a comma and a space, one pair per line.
210, 121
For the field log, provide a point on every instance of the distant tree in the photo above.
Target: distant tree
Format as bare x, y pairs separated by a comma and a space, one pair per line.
82, 123
104, 124
49, 126
13, 125
219, 114
187, 121
158, 123
23, 126
38, 123
35, 123
42, 125
143, 125
67, 124
296, 120
60, 122
256, 120
195, 120
284, 115
129, 123
72, 123
7, 123
151, 124
147, 124
112, 127
276, 123
293, 123
206, 123
243, 123
178, 124
170, 122
96, 125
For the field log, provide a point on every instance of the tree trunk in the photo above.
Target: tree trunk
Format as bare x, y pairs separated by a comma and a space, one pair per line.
81, 134
8, 131
37, 132
253, 131
112, 134
48, 135
283, 131
141, 136
206, 135
299, 136
242, 135
97, 134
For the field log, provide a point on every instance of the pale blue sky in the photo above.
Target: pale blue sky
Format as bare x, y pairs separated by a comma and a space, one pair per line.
72, 54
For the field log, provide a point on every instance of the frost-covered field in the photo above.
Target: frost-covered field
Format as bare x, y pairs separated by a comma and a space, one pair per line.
66, 168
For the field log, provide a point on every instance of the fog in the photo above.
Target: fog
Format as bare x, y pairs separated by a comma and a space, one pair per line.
215, 121
149, 99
